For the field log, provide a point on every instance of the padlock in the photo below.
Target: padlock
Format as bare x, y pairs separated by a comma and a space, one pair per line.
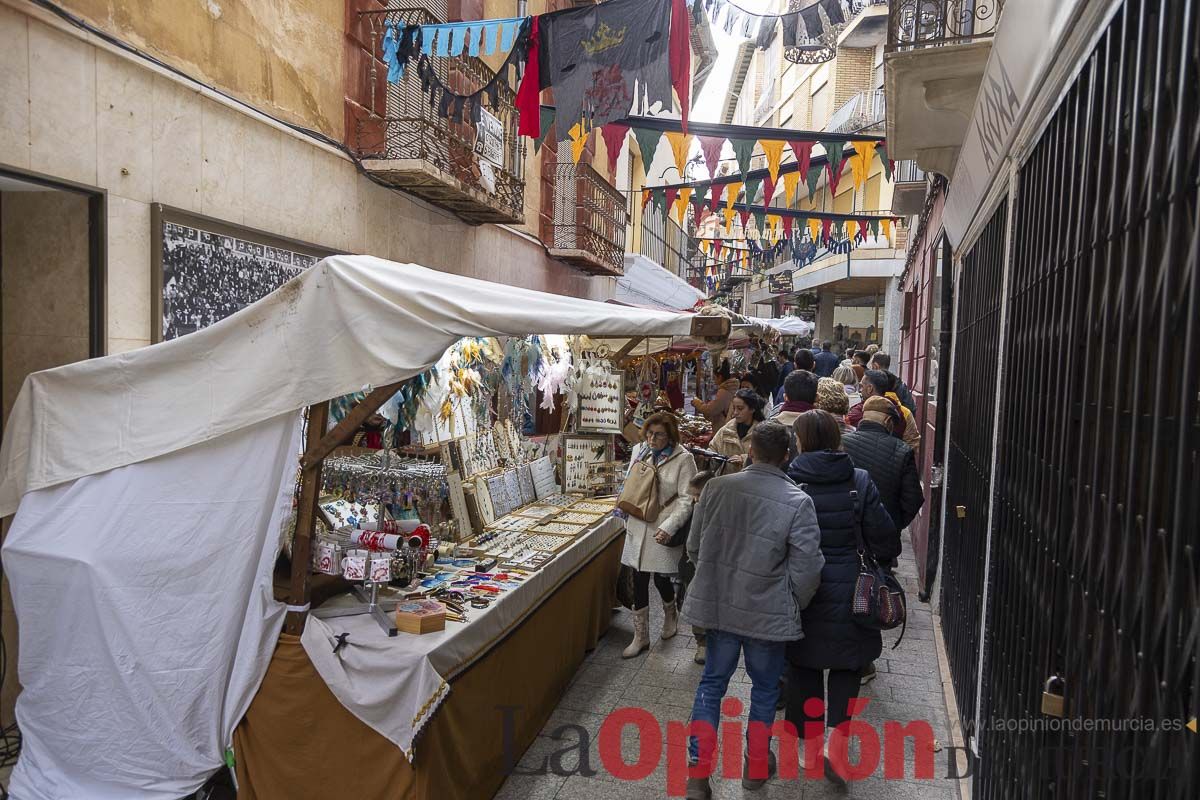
1052, 696
961, 511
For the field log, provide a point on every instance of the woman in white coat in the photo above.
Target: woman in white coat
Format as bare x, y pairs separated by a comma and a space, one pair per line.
647, 544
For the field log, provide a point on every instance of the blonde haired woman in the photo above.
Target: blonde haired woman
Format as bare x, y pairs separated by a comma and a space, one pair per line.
647, 549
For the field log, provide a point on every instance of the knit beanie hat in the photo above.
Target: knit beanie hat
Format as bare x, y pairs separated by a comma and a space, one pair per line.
831, 397
879, 409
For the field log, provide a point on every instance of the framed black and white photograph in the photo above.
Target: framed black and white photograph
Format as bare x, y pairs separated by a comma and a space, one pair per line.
205, 269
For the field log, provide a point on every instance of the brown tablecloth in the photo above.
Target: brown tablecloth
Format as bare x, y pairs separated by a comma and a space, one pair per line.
297, 742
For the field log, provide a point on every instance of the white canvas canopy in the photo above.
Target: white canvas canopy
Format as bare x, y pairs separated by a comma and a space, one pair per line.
647, 284
787, 326
151, 489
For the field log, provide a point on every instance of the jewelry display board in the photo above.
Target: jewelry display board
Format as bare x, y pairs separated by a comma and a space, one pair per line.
525, 480
544, 481
602, 403
578, 453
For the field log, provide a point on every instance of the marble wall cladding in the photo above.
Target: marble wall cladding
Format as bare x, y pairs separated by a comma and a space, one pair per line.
74, 111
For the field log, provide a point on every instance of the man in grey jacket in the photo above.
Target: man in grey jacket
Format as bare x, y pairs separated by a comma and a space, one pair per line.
757, 549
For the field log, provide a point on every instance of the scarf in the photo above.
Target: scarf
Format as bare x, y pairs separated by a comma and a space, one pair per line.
799, 406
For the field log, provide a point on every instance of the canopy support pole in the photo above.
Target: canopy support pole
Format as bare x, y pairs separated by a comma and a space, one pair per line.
306, 519
342, 432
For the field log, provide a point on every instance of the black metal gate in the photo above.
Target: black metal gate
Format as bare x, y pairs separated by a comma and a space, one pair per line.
1097, 505
976, 353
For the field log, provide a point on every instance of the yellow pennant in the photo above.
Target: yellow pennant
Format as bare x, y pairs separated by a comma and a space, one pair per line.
681, 145
681, 203
790, 181
860, 162
851, 229
729, 212
774, 152
731, 194
578, 141
885, 225
814, 228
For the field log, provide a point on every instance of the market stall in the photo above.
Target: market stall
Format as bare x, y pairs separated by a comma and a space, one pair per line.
153, 491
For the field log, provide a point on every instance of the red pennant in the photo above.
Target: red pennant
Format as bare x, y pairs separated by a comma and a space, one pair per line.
671, 192
744, 215
679, 50
697, 213
803, 152
787, 226
715, 201
826, 224
768, 190
529, 122
717, 247
862, 229
711, 147
833, 179
614, 139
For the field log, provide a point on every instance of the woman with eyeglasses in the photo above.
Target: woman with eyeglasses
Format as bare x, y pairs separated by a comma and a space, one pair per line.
649, 547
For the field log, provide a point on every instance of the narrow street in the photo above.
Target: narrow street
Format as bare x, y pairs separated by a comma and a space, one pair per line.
663, 682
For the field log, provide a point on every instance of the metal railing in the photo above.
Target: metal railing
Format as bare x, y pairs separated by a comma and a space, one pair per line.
907, 171
590, 215
665, 243
914, 24
862, 111
413, 129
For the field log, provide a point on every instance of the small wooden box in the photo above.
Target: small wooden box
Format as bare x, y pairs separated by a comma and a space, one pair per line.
420, 616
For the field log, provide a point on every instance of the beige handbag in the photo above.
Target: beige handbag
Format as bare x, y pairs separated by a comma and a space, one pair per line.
641, 496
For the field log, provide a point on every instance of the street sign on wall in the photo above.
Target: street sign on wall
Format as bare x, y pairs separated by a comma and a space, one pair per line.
780, 283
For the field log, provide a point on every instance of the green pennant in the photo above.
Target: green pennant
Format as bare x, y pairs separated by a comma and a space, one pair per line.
658, 199
760, 220
699, 198
547, 120
874, 226
752, 185
839, 229
813, 178
833, 151
647, 142
881, 152
743, 149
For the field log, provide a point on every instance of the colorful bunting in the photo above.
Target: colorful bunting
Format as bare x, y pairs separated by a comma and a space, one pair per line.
851, 229
886, 225
787, 226
729, 212
681, 145
614, 134
645, 198
790, 180
826, 224
834, 166
803, 153
752, 185
669, 197
814, 226
715, 201
647, 142
731, 194
774, 152
743, 149
711, 146
579, 140
860, 162
812, 179
698, 205
659, 198
889, 166
681, 203
679, 53
546, 121
768, 190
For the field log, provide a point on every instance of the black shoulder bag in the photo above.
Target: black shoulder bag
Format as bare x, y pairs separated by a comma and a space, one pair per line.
878, 602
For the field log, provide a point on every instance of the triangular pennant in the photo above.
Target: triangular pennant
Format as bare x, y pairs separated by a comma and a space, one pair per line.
647, 141
860, 162
885, 225
681, 145
851, 229
888, 164
743, 217
729, 212
803, 153
743, 149
698, 204
760, 221
614, 139
768, 190
790, 180
752, 185
715, 199
711, 146
774, 152
716, 248
489, 38
826, 224
508, 34
787, 225
681, 203
731, 193
645, 198
547, 120
671, 192
579, 141
833, 156
659, 198
812, 179
835, 175
874, 225
814, 226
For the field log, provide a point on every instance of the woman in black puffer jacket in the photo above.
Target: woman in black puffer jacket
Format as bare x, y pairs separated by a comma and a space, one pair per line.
832, 640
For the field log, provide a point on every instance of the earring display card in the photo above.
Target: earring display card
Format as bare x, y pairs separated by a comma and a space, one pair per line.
512, 485
602, 403
544, 481
579, 453
525, 479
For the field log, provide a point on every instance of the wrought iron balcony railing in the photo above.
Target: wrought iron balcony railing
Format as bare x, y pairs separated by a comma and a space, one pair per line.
590, 216
862, 111
664, 242
907, 171
474, 169
915, 24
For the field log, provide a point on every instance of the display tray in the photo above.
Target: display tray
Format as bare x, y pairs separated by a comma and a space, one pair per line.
558, 529
548, 543
593, 506
575, 517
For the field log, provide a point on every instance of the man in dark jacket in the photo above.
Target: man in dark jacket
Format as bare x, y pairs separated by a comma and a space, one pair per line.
874, 383
889, 461
827, 362
883, 362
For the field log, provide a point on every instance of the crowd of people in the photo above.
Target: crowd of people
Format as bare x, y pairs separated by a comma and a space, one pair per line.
203, 284
818, 468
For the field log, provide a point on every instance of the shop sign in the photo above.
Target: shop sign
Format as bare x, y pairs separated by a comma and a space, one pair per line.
780, 283
489, 139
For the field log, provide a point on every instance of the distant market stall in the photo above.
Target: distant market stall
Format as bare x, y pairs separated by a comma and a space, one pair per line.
155, 490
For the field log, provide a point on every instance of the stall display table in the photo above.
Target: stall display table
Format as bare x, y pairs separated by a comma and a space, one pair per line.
419, 717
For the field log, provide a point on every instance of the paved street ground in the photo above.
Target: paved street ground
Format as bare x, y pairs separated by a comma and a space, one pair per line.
663, 681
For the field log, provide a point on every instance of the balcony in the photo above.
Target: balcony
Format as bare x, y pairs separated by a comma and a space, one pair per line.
868, 28
668, 245
862, 112
471, 168
908, 189
937, 51
590, 216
